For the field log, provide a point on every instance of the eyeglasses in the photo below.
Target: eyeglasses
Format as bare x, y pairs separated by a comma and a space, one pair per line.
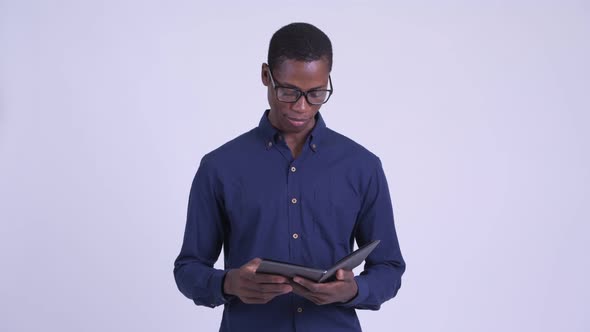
291, 95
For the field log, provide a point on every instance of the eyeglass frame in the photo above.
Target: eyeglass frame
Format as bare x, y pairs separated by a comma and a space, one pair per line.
299, 91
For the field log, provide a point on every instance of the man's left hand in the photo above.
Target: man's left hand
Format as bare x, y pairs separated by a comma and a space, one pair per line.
343, 289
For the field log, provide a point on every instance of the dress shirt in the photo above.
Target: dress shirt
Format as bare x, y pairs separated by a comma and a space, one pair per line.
253, 199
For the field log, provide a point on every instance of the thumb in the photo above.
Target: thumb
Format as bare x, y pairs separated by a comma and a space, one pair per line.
252, 265
343, 274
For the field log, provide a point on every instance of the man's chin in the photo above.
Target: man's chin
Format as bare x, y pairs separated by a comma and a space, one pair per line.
298, 125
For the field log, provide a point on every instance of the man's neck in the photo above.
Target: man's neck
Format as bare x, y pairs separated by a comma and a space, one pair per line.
295, 142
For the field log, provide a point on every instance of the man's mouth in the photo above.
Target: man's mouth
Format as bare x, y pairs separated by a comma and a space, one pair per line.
296, 121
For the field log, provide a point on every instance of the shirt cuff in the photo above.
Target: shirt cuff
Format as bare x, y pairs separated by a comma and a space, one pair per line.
226, 297
213, 296
361, 295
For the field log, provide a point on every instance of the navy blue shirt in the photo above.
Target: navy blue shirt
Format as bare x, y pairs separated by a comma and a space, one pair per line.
253, 199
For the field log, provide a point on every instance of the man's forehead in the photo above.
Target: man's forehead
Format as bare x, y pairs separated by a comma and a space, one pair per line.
291, 67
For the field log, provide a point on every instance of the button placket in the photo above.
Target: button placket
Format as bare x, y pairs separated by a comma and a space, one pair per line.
294, 208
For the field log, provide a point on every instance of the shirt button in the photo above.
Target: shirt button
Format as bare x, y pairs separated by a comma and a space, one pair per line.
293, 169
299, 309
295, 236
313, 146
269, 144
294, 200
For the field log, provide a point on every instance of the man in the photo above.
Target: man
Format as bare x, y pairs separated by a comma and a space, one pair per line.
290, 190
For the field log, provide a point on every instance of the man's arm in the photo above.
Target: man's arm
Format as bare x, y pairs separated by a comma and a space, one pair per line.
384, 267
203, 238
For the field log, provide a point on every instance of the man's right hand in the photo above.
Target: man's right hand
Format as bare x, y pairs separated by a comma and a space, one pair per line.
254, 288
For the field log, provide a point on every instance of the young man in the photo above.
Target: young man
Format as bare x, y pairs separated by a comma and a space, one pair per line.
290, 190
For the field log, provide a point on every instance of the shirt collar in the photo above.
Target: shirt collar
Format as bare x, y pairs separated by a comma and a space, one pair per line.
270, 134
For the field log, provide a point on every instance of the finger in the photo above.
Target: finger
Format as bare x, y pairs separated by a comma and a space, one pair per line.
248, 270
310, 285
270, 278
318, 298
275, 288
299, 290
251, 300
254, 294
252, 265
256, 300
265, 292
344, 275
263, 295
304, 292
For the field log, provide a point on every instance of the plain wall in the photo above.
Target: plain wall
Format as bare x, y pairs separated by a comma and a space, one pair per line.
479, 110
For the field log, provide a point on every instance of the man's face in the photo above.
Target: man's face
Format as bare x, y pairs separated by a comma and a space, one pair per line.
299, 116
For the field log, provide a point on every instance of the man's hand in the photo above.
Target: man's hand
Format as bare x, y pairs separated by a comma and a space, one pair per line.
254, 288
343, 289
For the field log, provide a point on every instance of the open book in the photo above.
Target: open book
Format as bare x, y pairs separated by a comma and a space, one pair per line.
349, 262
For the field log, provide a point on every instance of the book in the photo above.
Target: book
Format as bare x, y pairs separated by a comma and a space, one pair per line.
349, 262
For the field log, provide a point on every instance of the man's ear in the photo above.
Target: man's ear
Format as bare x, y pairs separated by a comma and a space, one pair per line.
264, 75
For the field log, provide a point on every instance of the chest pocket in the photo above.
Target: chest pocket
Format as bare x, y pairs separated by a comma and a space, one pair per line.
336, 208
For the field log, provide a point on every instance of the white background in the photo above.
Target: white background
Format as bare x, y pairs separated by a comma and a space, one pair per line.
479, 110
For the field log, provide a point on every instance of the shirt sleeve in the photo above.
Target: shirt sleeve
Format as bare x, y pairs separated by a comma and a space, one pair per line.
381, 277
203, 239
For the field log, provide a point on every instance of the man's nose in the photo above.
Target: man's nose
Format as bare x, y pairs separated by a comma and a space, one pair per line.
301, 105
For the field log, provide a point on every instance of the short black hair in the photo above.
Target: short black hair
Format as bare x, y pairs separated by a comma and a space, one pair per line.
301, 42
